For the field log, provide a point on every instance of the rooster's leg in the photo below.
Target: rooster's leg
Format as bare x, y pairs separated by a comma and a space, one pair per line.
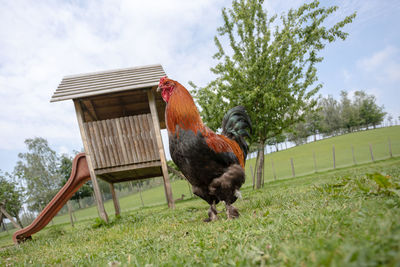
231, 212
212, 213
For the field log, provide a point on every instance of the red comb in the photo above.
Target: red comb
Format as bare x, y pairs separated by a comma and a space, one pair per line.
163, 79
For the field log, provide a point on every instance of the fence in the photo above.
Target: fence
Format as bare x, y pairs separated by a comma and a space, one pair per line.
328, 154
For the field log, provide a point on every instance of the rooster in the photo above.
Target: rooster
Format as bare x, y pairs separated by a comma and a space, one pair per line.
212, 163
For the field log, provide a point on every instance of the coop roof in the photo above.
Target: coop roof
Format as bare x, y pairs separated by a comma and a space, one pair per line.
107, 82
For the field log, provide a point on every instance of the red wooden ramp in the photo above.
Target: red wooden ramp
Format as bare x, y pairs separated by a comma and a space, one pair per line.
79, 175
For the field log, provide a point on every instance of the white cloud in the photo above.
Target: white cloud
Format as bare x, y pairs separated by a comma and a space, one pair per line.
383, 64
42, 42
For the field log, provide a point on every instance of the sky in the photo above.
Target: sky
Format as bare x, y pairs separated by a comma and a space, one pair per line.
42, 41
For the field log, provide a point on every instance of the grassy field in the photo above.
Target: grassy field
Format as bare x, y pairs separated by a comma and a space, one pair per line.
303, 161
303, 155
339, 218
151, 197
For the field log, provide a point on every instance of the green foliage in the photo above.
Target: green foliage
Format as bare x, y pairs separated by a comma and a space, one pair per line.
370, 112
299, 133
349, 114
330, 112
386, 184
269, 70
10, 195
268, 66
173, 175
38, 168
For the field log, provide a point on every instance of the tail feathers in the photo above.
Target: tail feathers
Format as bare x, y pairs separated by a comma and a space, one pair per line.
235, 124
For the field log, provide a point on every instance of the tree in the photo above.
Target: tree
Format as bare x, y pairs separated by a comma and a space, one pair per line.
269, 70
38, 169
330, 113
276, 140
350, 117
370, 112
390, 119
65, 170
10, 197
299, 133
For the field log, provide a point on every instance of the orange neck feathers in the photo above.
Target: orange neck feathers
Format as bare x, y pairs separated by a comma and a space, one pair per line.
182, 111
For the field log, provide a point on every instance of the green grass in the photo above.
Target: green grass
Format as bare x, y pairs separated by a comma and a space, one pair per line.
303, 155
339, 218
151, 197
190, 212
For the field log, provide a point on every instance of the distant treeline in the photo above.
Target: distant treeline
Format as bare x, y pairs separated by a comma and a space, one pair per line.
332, 117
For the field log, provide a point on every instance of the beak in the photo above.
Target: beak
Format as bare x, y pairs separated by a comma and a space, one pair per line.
158, 89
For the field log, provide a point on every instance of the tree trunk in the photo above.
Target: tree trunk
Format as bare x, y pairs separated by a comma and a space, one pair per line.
2, 210
255, 169
260, 164
2, 223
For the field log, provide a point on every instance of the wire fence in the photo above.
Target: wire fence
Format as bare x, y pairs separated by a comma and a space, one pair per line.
334, 153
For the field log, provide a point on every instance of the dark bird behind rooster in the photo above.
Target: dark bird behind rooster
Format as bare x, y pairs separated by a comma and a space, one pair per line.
212, 163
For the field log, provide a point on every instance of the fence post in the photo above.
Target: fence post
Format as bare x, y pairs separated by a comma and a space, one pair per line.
252, 175
334, 158
291, 162
390, 148
273, 169
354, 157
315, 162
370, 151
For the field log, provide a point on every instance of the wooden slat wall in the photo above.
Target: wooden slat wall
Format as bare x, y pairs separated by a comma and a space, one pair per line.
122, 141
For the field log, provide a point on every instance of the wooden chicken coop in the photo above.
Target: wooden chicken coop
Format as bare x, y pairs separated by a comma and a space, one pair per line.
120, 117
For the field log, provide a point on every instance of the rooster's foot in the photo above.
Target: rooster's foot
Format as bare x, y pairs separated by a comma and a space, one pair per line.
231, 212
212, 214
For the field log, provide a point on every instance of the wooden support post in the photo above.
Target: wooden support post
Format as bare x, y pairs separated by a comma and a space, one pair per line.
354, 157
315, 162
96, 188
115, 200
390, 147
164, 167
334, 156
370, 151
291, 162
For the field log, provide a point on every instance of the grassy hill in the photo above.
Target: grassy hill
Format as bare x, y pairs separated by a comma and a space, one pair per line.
339, 218
303, 155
